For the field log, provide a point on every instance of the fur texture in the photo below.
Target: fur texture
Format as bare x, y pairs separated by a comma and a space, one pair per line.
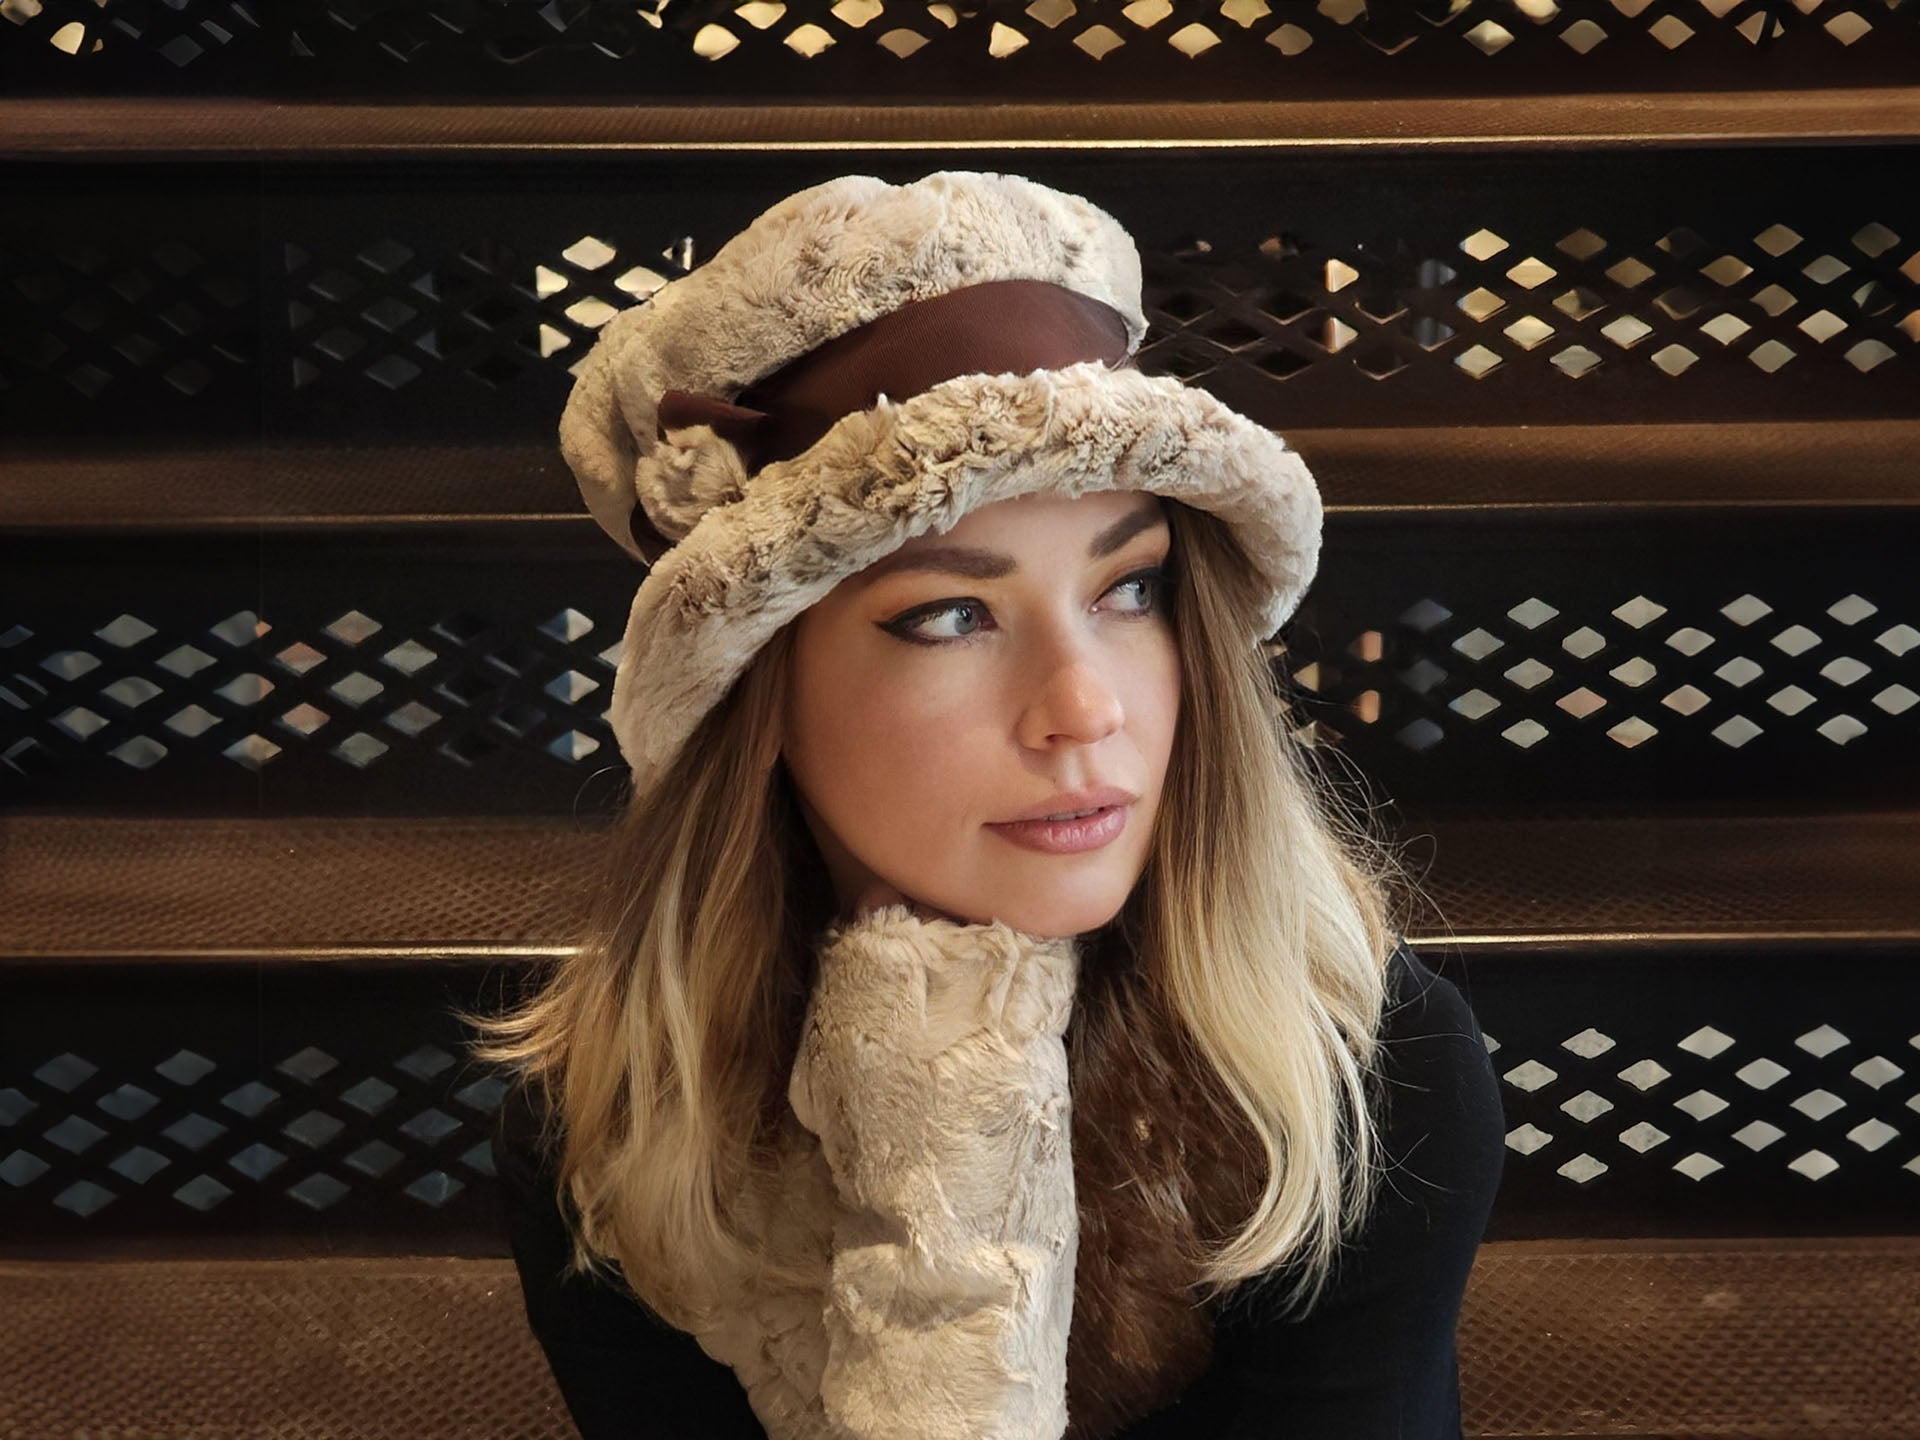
881, 476
822, 261
754, 552
932, 1075
989, 1254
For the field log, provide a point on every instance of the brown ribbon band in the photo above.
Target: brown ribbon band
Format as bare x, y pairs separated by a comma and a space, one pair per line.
991, 328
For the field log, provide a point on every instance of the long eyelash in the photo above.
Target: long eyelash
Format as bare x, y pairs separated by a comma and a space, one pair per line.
901, 625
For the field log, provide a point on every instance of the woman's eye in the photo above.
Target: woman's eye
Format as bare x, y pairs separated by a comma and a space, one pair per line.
1149, 585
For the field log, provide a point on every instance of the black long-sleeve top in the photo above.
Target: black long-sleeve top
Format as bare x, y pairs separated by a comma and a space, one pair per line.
1374, 1359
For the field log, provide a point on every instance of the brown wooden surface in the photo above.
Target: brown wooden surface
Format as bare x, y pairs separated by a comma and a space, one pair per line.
1799, 1337
92, 127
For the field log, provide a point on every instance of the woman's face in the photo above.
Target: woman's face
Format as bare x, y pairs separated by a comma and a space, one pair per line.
972, 677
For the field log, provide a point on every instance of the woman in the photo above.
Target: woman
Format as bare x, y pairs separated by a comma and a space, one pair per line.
864, 1109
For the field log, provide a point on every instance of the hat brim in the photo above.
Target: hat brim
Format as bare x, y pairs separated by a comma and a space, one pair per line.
880, 477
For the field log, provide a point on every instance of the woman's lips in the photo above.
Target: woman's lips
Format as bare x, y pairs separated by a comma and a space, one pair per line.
1067, 837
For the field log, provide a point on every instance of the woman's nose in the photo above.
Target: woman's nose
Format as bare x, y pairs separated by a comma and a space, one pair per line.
1077, 699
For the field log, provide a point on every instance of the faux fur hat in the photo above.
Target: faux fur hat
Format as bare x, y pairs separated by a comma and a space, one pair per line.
866, 362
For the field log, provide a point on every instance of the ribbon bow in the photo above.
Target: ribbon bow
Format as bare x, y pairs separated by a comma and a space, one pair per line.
738, 425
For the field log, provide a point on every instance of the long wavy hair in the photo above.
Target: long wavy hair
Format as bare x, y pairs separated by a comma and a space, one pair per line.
1248, 966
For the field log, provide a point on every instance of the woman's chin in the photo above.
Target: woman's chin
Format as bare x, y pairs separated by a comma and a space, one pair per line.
1046, 919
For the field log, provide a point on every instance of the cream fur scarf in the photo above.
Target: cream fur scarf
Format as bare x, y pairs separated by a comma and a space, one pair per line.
929, 1194
937, 1194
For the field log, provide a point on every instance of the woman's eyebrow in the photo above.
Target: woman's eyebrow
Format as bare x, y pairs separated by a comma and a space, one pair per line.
978, 564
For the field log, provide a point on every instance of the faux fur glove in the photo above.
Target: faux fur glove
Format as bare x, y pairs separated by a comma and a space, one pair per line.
932, 1067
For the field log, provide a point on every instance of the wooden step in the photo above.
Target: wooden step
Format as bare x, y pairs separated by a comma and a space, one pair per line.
84, 128
1796, 1336
1804, 465
1737, 882
319, 1348
245, 488
394, 889
117, 888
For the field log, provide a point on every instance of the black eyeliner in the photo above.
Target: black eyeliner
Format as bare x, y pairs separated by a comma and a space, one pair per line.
897, 626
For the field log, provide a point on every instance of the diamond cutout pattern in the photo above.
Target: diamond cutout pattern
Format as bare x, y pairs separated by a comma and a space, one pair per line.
353, 691
1572, 1114
140, 1137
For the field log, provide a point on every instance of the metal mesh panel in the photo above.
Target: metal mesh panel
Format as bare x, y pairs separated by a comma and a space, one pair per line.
355, 670
1466, 658
1621, 661
323, 1102
1665, 1089
411, 305
331, 1101
880, 49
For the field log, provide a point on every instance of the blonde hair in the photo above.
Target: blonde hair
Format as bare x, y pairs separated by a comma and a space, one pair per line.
1261, 928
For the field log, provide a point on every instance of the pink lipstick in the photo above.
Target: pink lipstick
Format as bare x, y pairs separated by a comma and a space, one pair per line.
1067, 837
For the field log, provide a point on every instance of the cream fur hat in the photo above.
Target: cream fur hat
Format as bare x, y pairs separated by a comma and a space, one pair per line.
866, 362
